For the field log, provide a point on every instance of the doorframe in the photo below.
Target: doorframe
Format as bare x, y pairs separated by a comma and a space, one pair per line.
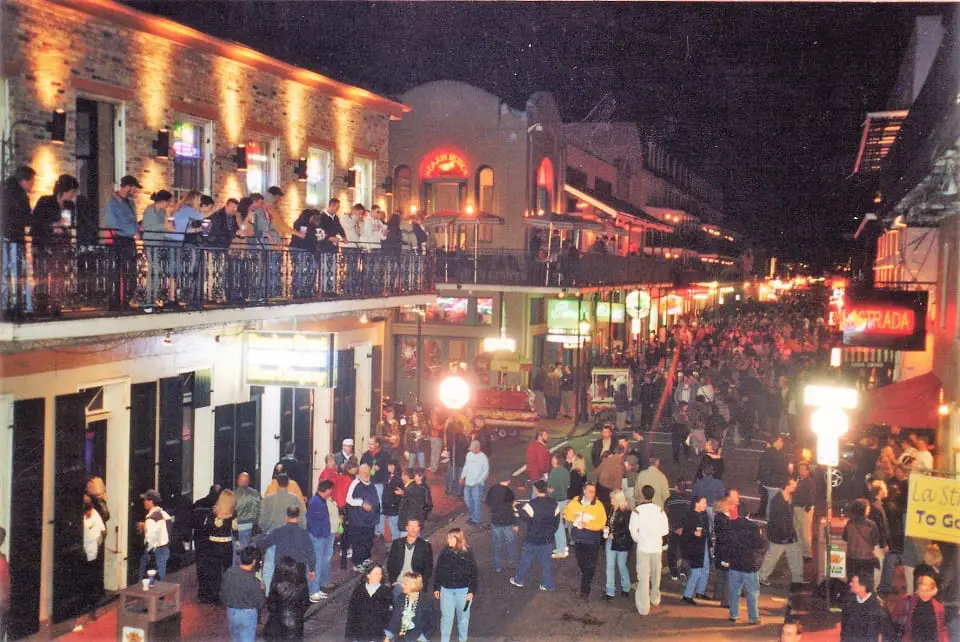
362, 390
6, 465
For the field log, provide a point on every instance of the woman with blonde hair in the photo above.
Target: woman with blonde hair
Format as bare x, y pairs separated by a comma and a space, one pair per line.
454, 584
412, 618
217, 556
97, 491
619, 542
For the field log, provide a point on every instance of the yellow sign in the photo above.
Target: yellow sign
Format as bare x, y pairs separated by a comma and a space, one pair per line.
933, 509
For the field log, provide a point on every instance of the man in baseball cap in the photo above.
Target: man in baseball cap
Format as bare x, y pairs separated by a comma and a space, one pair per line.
155, 536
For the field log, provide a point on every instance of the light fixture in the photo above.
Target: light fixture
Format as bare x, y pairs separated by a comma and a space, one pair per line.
470, 210
240, 158
162, 144
584, 327
300, 170
388, 186
836, 357
58, 127
167, 339
351, 178
943, 409
364, 318
413, 208
499, 344
454, 392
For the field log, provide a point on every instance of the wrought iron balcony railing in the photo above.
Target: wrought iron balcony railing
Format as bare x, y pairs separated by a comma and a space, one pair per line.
63, 279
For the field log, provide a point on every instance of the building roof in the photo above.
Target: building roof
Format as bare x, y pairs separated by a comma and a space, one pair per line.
614, 206
880, 130
126, 16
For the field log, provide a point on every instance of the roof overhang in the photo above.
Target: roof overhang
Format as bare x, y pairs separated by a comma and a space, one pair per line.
880, 130
642, 220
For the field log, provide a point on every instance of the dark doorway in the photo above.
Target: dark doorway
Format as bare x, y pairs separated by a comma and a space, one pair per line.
224, 422
95, 451
236, 443
143, 426
344, 399
376, 388
70, 598
26, 517
296, 425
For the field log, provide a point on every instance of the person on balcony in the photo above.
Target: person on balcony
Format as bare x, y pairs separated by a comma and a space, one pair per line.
120, 224
52, 220
157, 226
16, 217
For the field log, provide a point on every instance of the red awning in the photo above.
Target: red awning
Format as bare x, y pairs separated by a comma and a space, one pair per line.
911, 403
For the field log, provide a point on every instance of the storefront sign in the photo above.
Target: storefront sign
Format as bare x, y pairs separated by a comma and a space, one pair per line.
562, 315
885, 319
838, 562
444, 164
604, 312
638, 304
933, 508
290, 359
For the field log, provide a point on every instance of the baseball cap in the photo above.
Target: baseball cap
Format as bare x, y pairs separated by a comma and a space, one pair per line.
347, 442
276, 191
130, 181
152, 495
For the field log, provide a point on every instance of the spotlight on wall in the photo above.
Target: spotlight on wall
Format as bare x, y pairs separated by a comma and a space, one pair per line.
351, 178
240, 158
300, 171
162, 144
58, 127
364, 318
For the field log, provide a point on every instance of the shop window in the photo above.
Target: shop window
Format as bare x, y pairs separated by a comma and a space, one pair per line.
319, 176
190, 143
485, 311
433, 359
452, 310
403, 188
365, 176
260, 165
444, 195
409, 361
485, 190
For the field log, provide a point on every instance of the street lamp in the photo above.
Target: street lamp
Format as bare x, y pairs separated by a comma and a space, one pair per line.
829, 422
454, 392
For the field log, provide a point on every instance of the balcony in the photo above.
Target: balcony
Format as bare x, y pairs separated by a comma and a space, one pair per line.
164, 285
519, 269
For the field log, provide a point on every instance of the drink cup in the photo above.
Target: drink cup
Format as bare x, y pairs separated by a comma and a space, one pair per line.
146, 585
303, 229
152, 576
66, 217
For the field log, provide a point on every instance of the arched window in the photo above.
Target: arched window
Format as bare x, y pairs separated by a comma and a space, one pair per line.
545, 185
484, 196
402, 188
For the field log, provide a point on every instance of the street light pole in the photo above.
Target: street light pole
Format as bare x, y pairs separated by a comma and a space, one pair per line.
826, 537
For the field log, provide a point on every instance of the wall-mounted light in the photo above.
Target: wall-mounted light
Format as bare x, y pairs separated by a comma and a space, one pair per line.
351, 178
470, 210
364, 318
300, 171
240, 158
58, 127
162, 144
388, 186
167, 339
413, 208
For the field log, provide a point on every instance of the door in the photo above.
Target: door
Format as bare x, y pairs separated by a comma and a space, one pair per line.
26, 517
247, 441
69, 484
303, 435
362, 389
96, 160
376, 386
344, 399
224, 420
170, 468
143, 434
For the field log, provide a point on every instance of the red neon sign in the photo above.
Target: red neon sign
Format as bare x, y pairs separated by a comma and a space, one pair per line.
444, 164
879, 319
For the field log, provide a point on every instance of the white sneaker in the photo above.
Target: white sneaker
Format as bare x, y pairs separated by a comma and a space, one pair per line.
561, 555
319, 595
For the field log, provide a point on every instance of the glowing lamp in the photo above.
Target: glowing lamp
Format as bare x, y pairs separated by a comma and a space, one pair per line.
499, 344
943, 409
454, 392
470, 210
842, 398
58, 127
413, 208
584, 327
836, 357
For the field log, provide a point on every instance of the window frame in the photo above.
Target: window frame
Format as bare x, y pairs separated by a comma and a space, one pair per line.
206, 132
328, 168
363, 193
270, 145
481, 204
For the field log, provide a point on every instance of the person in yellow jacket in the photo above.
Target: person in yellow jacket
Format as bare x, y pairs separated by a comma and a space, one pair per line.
588, 520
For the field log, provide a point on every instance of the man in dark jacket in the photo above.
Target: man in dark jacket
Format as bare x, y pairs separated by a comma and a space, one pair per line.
293, 541
363, 516
413, 501
16, 217
412, 553
863, 614
291, 465
500, 499
894, 509
741, 547
542, 515
603, 447
376, 457
782, 536
390, 505
803, 505
223, 225
772, 473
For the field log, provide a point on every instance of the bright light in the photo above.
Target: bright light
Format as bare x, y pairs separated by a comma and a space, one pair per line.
413, 209
364, 318
470, 210
943, 409
836, 357
454, 392
584, 327
829, 421
839, 398
499, 344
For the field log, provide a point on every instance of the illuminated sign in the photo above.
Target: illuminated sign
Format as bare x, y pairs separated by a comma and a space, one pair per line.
604, 312
562, 315
892, 319
638, 304
444, 164
290, 359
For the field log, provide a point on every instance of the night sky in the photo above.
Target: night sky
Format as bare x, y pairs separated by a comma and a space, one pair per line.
765, 101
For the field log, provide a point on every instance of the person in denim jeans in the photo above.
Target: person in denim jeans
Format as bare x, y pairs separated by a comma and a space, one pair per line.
323, 522
618, 546
558, 482
473, 477
243, 595
741, 544
500, 499
696, 539
542, 516
455, 584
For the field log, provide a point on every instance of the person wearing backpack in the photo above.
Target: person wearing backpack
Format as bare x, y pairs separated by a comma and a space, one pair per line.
155, 529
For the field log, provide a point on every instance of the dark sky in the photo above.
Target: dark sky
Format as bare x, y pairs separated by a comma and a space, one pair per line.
764, 100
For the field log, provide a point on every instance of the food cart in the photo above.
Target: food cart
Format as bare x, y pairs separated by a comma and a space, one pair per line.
604, 382
506, 411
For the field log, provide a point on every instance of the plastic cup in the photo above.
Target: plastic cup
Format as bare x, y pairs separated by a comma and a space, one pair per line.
146, 584
152, 576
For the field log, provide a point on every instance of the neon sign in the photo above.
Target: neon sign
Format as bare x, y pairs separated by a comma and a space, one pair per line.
881, 320
445, 164
892, 319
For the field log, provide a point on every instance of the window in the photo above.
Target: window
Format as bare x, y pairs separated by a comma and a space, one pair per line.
485, 233
448, 310
538, 313
319, 176
363, 187
409, 360
485, 190
576, 177
402, 188
260, 166
604, 188
485, 311
545, 186
444, 195
190, 146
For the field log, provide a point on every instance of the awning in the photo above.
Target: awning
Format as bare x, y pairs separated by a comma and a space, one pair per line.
562, 222
911, 403
453, 217
615, 207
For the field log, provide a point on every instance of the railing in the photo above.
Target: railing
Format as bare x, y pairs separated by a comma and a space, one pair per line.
506, 267
64, 279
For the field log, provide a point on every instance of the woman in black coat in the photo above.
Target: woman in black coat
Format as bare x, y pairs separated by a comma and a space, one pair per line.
288, 601
695, 542
413, 611
368, 613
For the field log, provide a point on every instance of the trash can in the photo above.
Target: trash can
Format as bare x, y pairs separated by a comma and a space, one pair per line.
836, 559
148, 615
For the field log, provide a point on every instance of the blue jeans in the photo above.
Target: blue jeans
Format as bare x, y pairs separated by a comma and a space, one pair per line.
452, 601
161, 555
890, 562
473, 498
379, 530
616, 560
243, 624
560, 537
393, 521
504, 537
15, 278
242, 540
269, 563
697, 582
323, 549
453, 480
417, 460
750, 584
541, 553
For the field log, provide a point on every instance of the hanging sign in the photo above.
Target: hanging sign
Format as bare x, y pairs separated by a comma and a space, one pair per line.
444, 164
290, 359
892, 319
933, 508
604, 312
